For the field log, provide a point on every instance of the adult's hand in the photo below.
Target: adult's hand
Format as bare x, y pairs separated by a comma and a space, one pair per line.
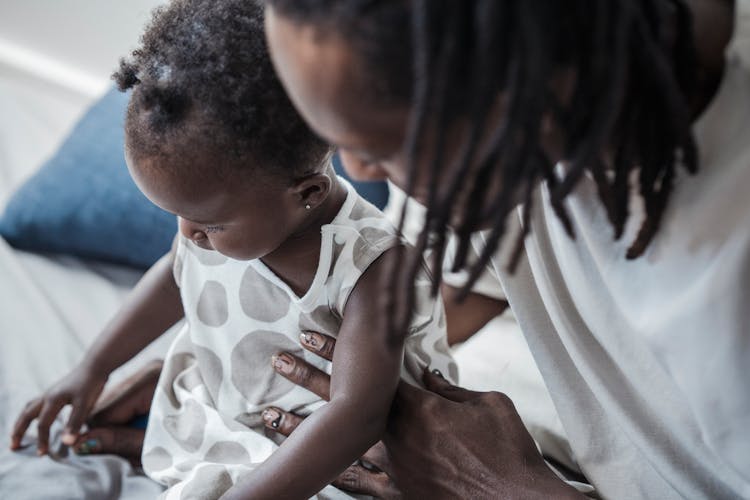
444, 442
109, 430
373, 479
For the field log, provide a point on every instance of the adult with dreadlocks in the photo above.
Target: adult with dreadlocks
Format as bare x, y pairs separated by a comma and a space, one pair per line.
607, 141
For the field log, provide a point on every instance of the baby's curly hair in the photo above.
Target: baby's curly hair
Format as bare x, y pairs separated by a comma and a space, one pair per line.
203, 78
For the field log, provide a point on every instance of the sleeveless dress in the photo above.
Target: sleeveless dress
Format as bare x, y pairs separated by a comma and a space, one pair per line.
205, 429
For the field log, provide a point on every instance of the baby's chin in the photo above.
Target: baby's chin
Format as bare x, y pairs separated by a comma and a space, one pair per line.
238, 252
241, 255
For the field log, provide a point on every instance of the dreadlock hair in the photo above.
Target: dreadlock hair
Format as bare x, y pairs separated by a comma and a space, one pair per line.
627, 114
202, 77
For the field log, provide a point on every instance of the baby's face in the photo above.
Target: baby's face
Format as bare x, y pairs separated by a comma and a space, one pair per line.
242, 218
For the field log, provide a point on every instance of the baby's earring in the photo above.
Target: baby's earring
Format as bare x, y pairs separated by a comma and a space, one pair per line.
307, 206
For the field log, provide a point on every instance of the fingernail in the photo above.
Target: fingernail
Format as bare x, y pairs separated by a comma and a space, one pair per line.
68, 439
310, 339
40, 452
438, 373
282, 362
87, 446
271, 417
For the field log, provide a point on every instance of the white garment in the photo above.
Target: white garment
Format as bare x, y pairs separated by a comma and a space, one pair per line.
487, 284
647, 360
205, 428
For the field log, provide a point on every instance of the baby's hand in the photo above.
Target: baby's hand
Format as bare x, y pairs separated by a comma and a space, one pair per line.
80, 388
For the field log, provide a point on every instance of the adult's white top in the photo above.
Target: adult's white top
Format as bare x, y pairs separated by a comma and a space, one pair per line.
648, 361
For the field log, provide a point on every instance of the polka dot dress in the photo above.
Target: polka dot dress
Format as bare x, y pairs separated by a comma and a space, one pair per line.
205, 430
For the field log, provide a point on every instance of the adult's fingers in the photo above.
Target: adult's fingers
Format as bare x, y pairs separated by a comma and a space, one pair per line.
29, 413
358, 479
280, 421
285, 423
302, 373
436, 383
318, 343
123, 441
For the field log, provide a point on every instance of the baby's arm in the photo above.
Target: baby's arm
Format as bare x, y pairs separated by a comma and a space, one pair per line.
151, 308
366, 370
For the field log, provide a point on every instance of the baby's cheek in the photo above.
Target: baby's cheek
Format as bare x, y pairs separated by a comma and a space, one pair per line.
237, 248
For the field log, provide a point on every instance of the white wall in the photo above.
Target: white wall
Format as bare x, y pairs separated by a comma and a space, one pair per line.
77, 43
55, 59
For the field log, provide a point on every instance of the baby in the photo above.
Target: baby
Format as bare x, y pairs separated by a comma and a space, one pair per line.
271, 244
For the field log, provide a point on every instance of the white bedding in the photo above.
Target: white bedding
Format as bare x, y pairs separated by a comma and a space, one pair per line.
51, 307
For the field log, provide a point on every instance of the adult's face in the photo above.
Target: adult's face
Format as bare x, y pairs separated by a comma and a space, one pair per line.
332, 89
326, 83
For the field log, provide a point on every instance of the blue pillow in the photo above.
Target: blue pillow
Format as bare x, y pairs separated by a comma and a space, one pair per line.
376, 192
83, 202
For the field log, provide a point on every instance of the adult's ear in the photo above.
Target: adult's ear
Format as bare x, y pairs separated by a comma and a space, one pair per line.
312, 190
361, 170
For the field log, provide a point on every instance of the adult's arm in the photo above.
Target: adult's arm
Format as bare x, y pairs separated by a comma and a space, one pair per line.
467, 317
443, 442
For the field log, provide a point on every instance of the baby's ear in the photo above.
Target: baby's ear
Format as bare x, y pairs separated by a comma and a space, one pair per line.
312, 190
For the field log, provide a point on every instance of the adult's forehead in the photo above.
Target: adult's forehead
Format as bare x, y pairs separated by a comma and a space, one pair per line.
328, 83
315, 69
